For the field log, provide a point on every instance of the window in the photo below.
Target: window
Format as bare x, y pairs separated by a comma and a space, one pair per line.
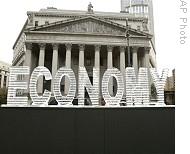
147, 9
36, 23
137, 9
143, 9
133, 9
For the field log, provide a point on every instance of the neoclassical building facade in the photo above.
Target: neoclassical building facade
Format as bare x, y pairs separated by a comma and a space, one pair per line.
69, 38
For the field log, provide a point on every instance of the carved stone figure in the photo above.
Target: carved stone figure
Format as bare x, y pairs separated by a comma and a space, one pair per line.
90, 6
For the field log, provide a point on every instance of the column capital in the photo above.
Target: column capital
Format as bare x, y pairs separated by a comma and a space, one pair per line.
42, 46
68, 46
97, 47
122, 48
110, 47
135, 49
81, 47
28, 46
55, 46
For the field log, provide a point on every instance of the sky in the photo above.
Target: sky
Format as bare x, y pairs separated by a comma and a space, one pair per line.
13, 16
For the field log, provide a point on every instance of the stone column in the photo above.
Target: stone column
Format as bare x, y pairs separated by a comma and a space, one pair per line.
54, 62
110, 58
110, 65
67, 65
122, 65
2, 78
97, 65
41, 63
68, 55
81, 55
28, 55
97, 56
81, 61
28, 62
122, 60
41, 55
135, 59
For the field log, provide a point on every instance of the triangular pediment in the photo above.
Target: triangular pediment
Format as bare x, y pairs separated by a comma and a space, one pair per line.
88, 25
